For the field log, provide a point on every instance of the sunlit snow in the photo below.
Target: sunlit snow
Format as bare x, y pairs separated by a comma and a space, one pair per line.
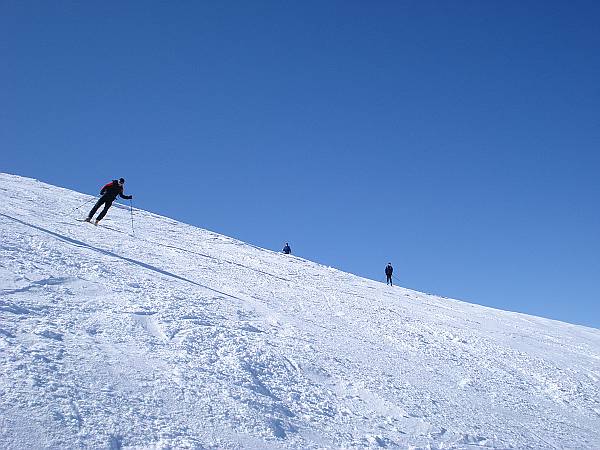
178, 337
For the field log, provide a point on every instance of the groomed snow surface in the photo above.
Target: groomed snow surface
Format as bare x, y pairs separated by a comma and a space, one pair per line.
178, 337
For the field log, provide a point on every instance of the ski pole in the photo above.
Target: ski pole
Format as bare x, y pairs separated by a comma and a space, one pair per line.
90, 200
131, 210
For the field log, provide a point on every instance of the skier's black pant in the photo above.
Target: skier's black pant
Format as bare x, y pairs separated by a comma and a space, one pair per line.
107, 201
389, 280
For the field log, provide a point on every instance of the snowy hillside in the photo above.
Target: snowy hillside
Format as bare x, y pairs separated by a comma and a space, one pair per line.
178, 337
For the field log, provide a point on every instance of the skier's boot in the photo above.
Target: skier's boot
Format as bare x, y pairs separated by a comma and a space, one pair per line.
88, 219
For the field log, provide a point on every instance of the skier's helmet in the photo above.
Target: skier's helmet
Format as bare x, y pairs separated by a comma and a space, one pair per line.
121, 181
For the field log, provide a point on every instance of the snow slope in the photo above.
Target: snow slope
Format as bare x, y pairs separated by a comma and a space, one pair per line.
178, 337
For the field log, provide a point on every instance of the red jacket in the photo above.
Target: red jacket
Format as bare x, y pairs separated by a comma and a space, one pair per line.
112, 189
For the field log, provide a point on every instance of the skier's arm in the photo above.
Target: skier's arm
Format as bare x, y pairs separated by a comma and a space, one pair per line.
126, 197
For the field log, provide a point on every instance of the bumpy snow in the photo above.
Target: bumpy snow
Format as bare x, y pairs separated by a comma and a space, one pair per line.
178, 337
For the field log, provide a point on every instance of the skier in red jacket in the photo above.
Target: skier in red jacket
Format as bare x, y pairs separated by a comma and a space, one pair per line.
109, 193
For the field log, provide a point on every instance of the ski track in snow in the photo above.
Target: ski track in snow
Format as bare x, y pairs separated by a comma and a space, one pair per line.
177, 337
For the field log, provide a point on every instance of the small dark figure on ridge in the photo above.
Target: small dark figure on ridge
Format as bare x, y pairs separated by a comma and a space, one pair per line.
389, 270
286, 249
109, 193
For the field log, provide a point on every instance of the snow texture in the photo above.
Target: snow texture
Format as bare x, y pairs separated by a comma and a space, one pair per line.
178, 337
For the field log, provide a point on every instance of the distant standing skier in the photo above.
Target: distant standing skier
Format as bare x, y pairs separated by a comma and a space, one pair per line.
109, 193
286, 249
389, 270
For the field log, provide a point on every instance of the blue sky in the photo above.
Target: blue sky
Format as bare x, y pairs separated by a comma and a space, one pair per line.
458, 140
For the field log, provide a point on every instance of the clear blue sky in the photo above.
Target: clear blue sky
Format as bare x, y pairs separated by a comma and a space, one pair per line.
458, 140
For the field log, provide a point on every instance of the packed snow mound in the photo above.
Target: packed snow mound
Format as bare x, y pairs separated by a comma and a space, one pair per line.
178, 337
